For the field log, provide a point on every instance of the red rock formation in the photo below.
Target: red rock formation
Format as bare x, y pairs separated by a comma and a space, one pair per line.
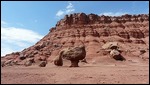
89, 30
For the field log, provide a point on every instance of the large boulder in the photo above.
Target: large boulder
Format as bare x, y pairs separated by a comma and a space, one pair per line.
114, 50
73, 54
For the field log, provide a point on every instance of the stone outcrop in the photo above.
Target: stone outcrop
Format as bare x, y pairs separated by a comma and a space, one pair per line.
73, 54
83, 19
90, 30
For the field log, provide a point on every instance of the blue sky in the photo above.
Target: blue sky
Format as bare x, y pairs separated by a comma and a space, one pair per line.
23, 23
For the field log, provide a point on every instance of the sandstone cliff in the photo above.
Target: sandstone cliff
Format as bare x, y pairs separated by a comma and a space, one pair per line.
131, 31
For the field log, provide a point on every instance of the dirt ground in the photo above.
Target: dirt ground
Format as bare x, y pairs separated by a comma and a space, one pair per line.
118, 72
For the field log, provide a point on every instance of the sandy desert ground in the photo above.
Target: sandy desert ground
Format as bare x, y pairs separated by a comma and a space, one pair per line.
116, 72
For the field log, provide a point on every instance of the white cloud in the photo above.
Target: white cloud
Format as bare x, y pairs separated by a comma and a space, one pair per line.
20, 34
69, 9
59, 13
69, 6
16, 39
113, 14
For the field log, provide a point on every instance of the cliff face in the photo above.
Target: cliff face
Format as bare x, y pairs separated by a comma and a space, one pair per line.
83, 19
130, 31
125, 26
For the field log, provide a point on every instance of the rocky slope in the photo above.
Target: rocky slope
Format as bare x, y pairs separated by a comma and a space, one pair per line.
93, 31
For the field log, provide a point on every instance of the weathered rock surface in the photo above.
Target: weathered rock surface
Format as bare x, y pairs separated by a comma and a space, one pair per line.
73, 54
42, 63
93, 31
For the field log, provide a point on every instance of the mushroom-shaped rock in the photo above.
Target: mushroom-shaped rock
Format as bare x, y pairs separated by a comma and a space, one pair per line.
73, 54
